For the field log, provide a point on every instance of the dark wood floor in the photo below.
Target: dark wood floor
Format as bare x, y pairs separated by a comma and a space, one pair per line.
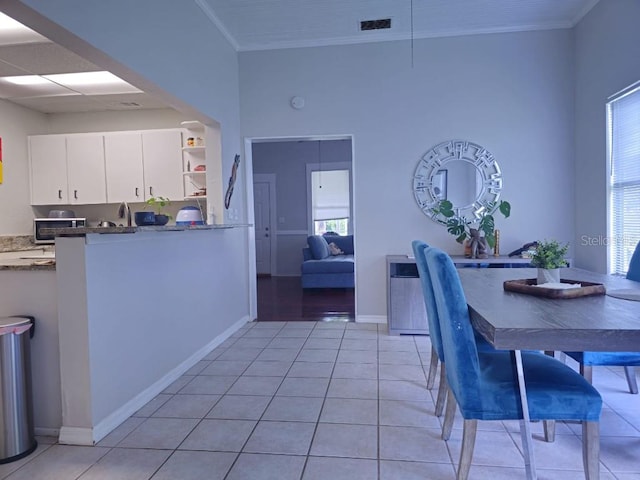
283, 299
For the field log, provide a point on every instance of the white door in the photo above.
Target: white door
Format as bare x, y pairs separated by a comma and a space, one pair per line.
262, 202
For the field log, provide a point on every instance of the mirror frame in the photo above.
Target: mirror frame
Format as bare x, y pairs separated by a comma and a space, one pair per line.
436, 160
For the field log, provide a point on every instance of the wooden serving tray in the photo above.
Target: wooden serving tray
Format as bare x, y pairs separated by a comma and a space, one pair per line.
528, 286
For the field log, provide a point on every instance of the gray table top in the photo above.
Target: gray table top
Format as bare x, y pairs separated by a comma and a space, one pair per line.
516, 321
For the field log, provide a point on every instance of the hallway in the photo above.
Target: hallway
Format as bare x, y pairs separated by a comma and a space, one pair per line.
283, 299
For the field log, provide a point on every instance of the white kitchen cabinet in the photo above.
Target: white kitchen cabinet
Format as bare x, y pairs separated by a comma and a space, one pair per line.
85, 169
124, 167
108, 167
48, 169
162, 157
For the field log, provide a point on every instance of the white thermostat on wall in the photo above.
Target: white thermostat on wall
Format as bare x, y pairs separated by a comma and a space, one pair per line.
297, 102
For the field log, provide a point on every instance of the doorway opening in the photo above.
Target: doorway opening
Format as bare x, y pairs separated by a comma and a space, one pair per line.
299, 185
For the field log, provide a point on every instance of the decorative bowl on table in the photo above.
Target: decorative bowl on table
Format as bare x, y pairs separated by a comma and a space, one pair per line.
145, 218
161, 219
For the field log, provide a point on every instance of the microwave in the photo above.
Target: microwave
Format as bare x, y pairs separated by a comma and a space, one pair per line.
40, 223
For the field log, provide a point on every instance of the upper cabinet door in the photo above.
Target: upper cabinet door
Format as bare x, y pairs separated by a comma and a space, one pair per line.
48, 169
162, 157
86, 171
123, 164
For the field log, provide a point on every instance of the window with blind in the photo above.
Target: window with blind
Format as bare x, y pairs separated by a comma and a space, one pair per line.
623, 124
330, 205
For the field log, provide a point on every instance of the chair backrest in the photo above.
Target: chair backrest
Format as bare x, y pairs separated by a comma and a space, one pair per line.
458, 342
419, 249
633, 273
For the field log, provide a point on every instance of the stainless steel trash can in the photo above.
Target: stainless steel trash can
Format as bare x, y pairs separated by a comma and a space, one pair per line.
17, 438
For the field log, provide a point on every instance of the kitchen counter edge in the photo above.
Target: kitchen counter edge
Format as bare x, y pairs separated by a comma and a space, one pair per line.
80, 231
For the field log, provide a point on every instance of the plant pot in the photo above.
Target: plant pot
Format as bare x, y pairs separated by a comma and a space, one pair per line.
161, 219
144, 218
548, 275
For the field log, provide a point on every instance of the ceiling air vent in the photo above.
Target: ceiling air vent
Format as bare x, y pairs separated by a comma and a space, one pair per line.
379, 24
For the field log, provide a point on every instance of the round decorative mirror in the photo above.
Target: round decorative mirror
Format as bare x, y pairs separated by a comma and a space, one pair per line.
462, 172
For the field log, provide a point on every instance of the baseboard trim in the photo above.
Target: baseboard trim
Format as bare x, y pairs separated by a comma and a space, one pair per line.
76, 436
371, 319
47, 432
90, 436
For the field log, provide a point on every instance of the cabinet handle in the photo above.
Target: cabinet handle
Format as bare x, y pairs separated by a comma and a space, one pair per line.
137, 194
75, 194
60, 194
151, 191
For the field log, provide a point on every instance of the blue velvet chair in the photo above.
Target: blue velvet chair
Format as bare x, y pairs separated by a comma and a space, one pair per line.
419, 248
628, 360
484, 384
437, 354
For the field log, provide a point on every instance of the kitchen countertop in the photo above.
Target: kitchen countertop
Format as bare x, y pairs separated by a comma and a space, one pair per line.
80, 231
38, 261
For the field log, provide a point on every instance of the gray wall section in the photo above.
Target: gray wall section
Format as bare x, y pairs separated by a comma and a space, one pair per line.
511, 93
607, 61
288, 160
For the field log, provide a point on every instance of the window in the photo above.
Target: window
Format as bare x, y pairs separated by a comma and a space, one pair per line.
330, 205
623, 125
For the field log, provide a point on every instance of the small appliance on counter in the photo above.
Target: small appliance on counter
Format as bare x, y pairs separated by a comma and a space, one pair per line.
60, 222
62, 214
189, 216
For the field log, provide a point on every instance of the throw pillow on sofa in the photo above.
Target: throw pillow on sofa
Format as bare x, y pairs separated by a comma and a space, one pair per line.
318, 246
335, 250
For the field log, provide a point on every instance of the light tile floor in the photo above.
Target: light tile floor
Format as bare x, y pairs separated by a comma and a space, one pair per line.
323, 401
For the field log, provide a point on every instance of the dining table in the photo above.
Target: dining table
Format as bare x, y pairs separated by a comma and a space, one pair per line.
517, 321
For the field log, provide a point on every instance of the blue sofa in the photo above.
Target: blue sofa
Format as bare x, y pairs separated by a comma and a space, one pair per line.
322, 269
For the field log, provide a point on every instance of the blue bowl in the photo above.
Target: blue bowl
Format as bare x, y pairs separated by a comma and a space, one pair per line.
145, 218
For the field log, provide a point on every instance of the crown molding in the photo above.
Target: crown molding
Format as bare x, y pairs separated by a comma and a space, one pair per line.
210, 14
389, 37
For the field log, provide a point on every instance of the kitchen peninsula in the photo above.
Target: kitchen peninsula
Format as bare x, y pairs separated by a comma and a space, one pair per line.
137, 307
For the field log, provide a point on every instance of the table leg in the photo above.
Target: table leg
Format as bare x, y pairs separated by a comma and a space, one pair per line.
525, 425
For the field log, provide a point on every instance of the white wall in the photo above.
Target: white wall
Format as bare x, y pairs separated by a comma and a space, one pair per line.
34, 293
607, 61
140, 310
511, 93
16, 122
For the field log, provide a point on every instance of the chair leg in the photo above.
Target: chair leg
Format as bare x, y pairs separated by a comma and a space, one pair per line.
433, 367
630, 372
591, 450
449, 415
549, 430
466, 453
587, 372
442, 391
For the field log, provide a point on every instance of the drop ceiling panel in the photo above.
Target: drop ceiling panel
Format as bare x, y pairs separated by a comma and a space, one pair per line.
90, 103
9, 70
45, 58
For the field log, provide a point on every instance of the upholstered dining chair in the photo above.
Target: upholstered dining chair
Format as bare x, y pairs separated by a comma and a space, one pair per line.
484, 384
419, 248
628, 360
437, 356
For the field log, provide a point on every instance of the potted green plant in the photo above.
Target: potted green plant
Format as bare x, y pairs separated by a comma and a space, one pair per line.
158, 204
480, 229
548, 258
